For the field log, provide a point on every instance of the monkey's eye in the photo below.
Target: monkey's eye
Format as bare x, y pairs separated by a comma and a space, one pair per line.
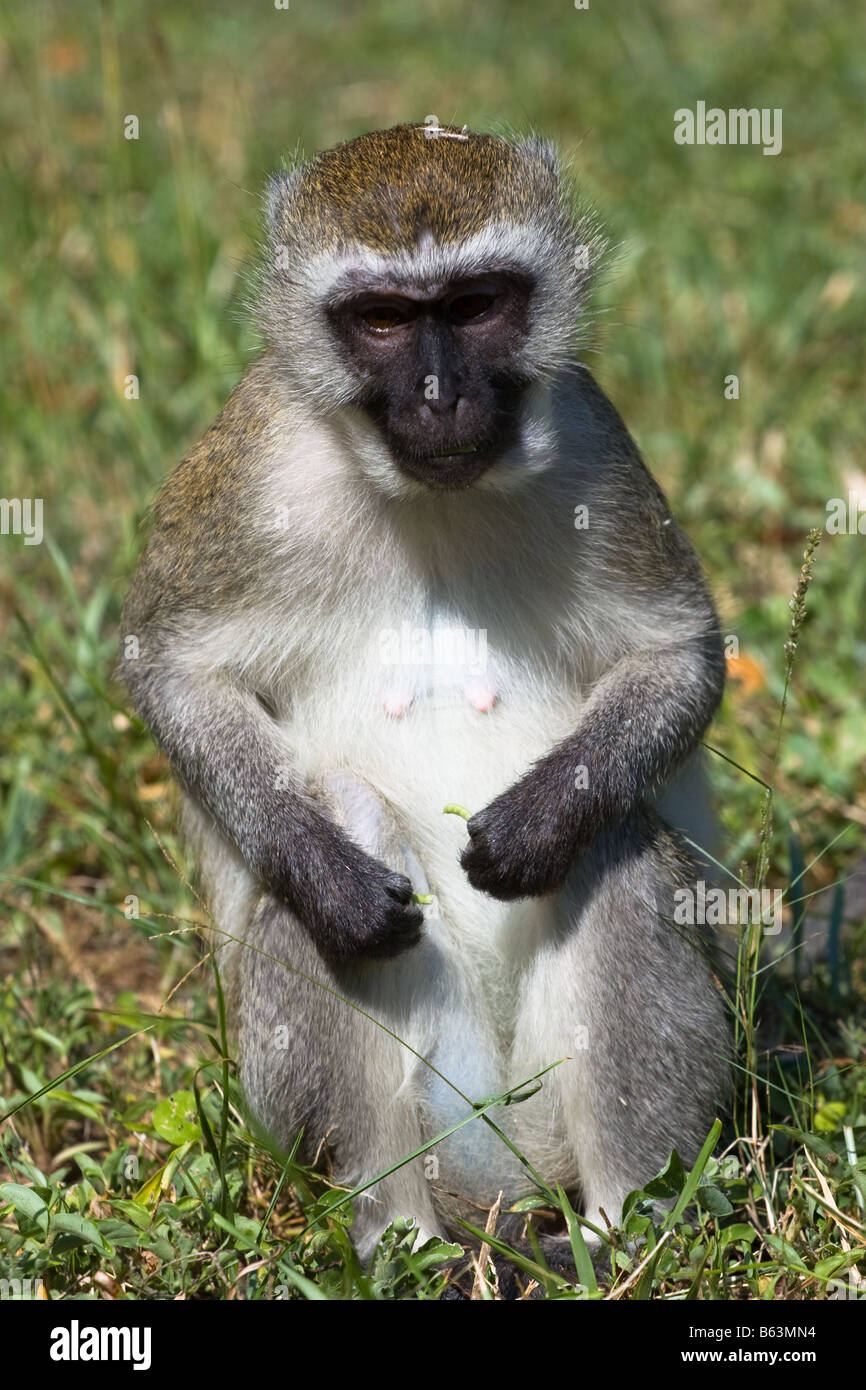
471, 306
384, 317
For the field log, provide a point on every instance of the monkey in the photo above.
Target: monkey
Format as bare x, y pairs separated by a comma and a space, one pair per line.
418, 561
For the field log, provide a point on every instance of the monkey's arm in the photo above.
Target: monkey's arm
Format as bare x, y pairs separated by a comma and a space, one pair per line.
643, 717
648, 709
226, 751
201, 563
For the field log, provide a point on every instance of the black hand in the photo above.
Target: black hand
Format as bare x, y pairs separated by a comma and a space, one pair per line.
523, 844
353, 905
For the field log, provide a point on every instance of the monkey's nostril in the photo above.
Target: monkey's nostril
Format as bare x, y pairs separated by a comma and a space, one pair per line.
440, 409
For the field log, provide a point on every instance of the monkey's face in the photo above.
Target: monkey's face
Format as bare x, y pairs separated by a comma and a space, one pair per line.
439, 372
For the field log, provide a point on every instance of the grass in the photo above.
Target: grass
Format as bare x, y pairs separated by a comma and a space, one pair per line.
126, 258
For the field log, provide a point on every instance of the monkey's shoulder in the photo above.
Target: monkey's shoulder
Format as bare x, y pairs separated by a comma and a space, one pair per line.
623, 500
201, 521
614, 455
225, 462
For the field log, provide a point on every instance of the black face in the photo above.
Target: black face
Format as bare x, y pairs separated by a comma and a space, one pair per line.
438, 374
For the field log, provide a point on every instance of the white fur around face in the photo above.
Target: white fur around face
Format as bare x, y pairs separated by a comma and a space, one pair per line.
293, 304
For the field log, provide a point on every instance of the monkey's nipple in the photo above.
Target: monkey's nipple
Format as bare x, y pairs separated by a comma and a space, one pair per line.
396, 702
481, 695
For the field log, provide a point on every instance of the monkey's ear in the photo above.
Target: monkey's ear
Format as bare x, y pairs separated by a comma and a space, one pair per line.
542, 151
278, 195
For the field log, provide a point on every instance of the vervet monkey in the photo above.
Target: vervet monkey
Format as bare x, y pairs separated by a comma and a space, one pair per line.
418, 560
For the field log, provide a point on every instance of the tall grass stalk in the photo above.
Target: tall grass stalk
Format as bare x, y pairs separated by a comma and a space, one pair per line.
749, 947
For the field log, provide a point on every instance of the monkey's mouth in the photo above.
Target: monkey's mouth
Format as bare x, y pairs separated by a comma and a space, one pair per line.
455, 452
455, 467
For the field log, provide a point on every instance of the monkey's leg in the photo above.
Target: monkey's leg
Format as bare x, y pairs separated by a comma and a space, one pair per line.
309, 1059
629, 997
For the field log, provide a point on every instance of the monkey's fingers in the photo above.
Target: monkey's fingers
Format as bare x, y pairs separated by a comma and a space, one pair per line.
504, 875
476, 824
402, 930
399, 887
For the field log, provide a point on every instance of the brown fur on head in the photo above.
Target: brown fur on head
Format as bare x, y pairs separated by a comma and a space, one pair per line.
387, 189
418, 206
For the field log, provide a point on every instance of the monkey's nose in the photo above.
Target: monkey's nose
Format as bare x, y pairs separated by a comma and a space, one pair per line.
440, 409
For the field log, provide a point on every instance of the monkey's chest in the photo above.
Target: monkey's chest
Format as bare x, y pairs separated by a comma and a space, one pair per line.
426, 738
440, 667
425, 704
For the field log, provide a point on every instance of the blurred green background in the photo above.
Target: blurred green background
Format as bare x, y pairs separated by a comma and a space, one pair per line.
128, 257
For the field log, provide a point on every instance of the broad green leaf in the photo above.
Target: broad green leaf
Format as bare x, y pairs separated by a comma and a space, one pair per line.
830, 1116
738, 1231
176, 1118
134, 1212
23, 1199
67, 1224
713, 1201
531, 1203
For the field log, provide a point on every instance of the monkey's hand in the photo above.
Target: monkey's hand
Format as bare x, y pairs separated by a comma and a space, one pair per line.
353, 905
643, 717
523, 844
